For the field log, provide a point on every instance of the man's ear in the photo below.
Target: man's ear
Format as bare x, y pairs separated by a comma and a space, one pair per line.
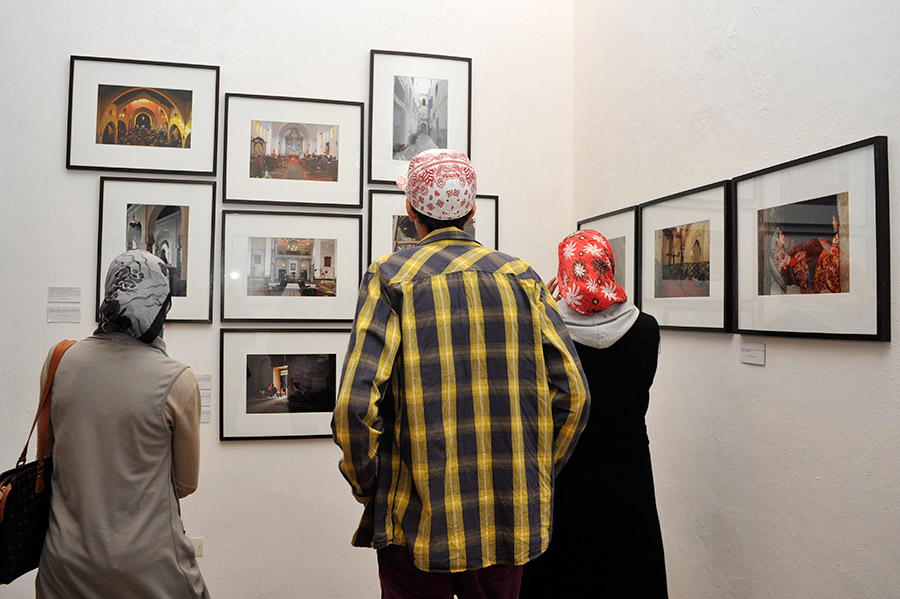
410, 212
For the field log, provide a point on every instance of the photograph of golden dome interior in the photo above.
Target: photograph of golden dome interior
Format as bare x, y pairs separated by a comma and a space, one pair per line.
143, 116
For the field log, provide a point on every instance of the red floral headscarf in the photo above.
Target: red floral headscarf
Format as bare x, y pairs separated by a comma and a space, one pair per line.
587, 270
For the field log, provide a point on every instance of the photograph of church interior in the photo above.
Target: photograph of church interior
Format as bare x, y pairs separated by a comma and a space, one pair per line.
301, 151
774, 480
162, 231
291, 383
142, 116
289, 266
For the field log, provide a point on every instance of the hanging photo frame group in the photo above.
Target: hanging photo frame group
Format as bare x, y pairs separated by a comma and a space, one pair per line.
299, 151
813, 250
142, 116
416, 102
799, 249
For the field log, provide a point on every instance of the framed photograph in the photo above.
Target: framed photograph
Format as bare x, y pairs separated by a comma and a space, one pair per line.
142, 116
172, 219
293, 150
416, 102
619, 228
279, 266
390, 228
684, 251
813, 246
279, 384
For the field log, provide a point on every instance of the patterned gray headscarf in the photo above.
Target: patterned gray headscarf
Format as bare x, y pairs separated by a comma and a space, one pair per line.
136, 298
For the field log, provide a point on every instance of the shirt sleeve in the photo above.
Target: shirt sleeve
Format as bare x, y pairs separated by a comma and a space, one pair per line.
183, 417
357, 424
570, 398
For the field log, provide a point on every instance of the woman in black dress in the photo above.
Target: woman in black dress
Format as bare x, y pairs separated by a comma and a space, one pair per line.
606, 539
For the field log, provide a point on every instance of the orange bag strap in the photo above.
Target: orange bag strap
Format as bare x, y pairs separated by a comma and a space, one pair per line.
43, 411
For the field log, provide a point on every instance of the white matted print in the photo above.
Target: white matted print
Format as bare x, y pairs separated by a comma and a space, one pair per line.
390, 228
172, 219
416, 102
683, 268
279, 384
293, 150
290, 266
143, 116
619, 229
812, 241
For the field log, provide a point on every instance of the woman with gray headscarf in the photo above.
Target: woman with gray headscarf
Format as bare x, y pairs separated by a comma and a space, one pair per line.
125, 444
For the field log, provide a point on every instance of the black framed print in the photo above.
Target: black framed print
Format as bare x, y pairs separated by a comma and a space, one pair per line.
172, 219
279, 384
416, 102
813, 246
299, 151
684, 255
390, 228
290, 266
142, 116
619, 228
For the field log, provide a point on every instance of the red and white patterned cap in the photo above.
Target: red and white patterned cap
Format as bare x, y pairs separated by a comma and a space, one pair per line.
587, 272
440, 184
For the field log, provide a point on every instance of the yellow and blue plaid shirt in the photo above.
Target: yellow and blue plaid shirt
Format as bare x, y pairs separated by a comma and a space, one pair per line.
461, 398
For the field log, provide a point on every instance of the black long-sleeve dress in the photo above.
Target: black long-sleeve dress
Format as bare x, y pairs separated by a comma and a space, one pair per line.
606, 539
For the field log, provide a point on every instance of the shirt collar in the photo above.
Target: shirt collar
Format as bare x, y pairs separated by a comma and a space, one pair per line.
448, 234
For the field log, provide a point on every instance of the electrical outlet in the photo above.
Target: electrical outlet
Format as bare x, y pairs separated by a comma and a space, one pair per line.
198, 546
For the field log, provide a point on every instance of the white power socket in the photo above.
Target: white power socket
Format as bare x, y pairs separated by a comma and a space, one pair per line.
198, 546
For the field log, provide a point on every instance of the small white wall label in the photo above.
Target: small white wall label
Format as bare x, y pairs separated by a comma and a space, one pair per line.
64, 295
753, 353
63, 313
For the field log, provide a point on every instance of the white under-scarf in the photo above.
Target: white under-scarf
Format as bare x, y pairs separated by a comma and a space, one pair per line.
602, 329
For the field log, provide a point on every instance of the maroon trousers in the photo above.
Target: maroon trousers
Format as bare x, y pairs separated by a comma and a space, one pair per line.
401, 579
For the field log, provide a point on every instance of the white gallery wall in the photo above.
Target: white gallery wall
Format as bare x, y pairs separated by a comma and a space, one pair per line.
782, 480
276, 516
774, 481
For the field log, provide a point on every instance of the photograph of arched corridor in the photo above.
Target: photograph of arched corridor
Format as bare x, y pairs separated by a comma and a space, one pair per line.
420, 115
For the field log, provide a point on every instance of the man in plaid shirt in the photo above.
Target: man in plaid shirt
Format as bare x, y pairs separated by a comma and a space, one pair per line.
461, 398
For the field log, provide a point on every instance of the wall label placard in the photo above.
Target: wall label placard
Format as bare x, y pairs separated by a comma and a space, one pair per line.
63, 313
64, 295
753, 353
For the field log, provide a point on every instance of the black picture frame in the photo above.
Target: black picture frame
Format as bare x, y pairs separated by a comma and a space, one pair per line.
389, 204
336, 181
392, 145
320, 287
147, 101
284, 407
691, 230
788, 216
123, 225
621, 229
